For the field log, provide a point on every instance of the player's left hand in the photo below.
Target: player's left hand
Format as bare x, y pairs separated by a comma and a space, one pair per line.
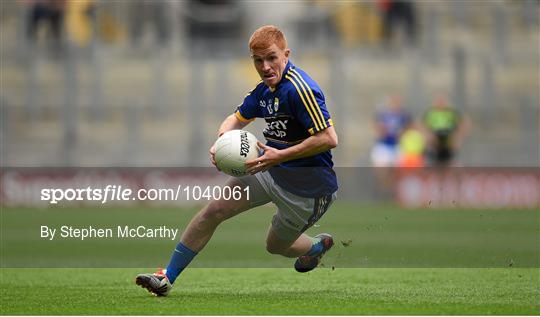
271, 157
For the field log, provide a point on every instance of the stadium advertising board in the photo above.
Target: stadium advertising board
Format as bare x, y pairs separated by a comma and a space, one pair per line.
469, 187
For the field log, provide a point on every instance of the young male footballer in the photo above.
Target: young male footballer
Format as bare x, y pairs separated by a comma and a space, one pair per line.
294, 172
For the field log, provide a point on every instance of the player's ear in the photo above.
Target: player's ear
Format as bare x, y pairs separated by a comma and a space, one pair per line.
287, 52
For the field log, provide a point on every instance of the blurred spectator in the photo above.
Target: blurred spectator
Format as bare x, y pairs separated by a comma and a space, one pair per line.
357, 22
49, 12
314, 26
445, 128
213, 25
152, 13
80, 21
89, 20
214, 19
390, 122
396, 13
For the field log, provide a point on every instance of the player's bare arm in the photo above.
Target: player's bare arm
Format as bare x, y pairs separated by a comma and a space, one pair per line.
231, 123
320, 142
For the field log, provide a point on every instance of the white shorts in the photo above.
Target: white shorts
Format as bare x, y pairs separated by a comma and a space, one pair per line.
295, 214
383, 155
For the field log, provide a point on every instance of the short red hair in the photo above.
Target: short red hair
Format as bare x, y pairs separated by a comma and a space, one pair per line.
265, 36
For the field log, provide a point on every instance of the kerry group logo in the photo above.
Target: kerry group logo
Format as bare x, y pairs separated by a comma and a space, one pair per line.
277, 128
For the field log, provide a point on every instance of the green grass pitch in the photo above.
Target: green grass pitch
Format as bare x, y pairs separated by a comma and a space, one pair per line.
397, 262
275, 292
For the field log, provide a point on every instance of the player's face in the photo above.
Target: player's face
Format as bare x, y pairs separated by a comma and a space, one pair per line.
441, 102
270, 63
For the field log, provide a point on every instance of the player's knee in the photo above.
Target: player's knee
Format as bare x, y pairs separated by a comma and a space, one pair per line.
215, 212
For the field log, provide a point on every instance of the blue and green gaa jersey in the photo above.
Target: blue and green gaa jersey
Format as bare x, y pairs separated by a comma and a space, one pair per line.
293, 111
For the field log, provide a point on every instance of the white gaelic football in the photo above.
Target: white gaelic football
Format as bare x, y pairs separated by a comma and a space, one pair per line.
233, 149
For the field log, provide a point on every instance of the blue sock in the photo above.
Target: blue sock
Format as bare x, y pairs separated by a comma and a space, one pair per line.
181, 258
316, 247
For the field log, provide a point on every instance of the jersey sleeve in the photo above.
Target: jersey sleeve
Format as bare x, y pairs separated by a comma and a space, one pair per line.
310, 107
248, 110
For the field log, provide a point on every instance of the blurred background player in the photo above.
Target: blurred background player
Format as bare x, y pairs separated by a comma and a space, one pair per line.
412, 147
445, 128
390, 121
294, 172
